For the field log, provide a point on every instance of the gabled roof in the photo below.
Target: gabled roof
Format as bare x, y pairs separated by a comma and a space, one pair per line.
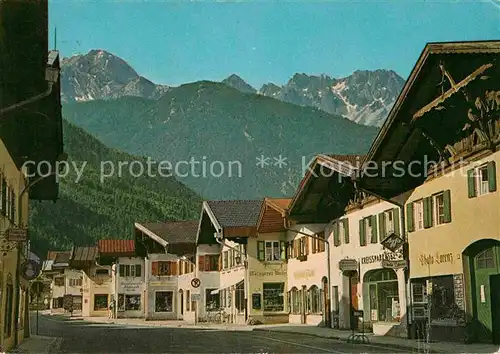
235, 213
83, 256
325, 190
62, 259
116, 247
431, 110
172, 231
272, 215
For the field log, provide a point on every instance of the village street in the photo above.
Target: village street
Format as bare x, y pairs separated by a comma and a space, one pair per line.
84, 337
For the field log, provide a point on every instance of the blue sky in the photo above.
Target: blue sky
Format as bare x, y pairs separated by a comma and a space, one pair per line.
174, 42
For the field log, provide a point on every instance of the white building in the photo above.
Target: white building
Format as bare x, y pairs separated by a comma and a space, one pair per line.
162, 245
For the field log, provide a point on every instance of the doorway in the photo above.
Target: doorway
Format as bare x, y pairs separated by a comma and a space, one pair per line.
495, 313
181, 300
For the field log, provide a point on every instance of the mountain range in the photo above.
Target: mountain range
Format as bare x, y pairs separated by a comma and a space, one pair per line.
365, 97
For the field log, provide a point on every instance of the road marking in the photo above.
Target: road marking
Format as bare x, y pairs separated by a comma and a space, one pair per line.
302, 345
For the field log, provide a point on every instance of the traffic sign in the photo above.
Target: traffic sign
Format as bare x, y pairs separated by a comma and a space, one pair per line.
195, 297
195, 282
37, 287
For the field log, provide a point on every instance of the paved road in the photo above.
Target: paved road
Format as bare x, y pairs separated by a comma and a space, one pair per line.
85, 337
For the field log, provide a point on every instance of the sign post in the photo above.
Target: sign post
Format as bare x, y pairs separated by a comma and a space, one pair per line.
37, 287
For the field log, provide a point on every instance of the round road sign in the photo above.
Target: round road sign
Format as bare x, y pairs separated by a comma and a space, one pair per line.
195, 282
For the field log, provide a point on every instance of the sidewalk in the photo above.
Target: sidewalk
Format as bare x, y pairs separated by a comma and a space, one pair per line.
38, 345
384, 342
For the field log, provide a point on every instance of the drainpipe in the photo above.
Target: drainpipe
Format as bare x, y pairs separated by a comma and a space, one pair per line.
329, 317
405, 256
245, 280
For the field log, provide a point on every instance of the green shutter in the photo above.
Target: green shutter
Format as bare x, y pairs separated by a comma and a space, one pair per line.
346, 230
122, 270
492, 176
397, 228
381, 225
260, 250
447, 205
410, 223
374, 229
336, 233
283, 250
138, 270
362, 233
471, 183
428, 212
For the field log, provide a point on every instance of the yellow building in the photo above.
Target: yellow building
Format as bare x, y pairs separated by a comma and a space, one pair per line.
12, 181
438, 154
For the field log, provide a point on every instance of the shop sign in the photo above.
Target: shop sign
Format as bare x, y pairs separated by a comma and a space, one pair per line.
304, 274
392, 242
346, 265
398, 264
17, 235
390, 256
268, 274
130, 287
437, 258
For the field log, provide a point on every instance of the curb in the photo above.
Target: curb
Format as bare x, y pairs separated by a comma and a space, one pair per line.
337, 338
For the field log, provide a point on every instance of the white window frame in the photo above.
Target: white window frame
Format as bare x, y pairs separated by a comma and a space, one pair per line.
436, 208
275, 251
418, 214
482, 187
389, 224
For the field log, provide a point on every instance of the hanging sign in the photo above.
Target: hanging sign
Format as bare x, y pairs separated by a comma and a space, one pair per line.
17, 235
30, 269
392, 242
398, 264
348, 265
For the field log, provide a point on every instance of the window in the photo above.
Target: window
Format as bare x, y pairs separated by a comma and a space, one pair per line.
130, 270
369, 230
439, 209
208, 263
75, 282
164, 301
418, 210
389, 222
273, 297
272, 251
225, 260
100, 302
57, 303
239, 297
164, 268
383, 295
295, 301
59, 281
317, 244
212, 301
482, 180
315, 300
486, 260
128, 302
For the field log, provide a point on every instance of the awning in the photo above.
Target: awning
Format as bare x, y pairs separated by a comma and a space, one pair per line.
233, 283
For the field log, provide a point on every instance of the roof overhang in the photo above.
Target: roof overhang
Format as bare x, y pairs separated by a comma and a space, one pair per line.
324, 192
429, 114
151, 234
207, 214
278, 209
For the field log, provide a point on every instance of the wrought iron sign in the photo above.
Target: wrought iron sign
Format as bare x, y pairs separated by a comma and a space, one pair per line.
393, 242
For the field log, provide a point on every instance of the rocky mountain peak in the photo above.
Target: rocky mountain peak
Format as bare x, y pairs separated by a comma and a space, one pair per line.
238, 83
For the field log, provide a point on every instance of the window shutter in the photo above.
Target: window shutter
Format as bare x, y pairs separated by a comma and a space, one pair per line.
362, 233
395, 216
447, 205
260, 250
296, 245
336, 234
471, 183
207, 263
374, 228
321, 244
381, 225
427, 212
492, 176
220, 264
201, 263
154, 268
173, 268
315, 247
283, 250
122, 270
138, 270
306, 245
410, 223
346, 230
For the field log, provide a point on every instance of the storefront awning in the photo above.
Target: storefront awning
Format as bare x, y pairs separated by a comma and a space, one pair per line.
233, 283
